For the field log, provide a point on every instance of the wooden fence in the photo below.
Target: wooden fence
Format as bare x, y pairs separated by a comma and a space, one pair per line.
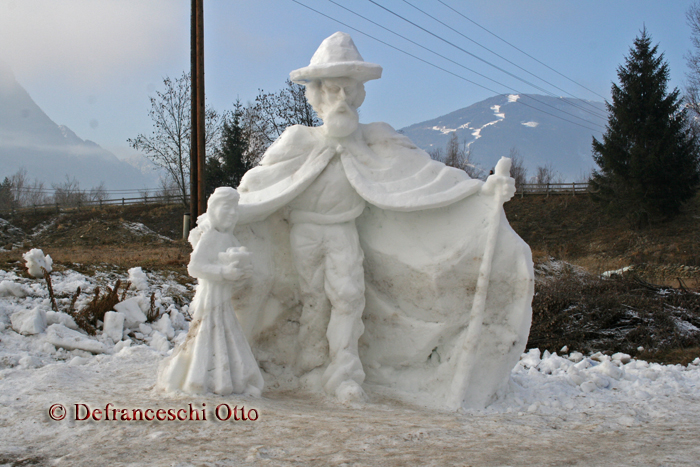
573, 188
546, 189
81, 204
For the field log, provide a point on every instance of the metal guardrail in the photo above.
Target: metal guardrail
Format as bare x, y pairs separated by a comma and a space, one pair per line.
58, 207
573, 188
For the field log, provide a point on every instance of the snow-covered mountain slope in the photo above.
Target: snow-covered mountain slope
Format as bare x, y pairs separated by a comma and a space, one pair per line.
535, 125
49, 152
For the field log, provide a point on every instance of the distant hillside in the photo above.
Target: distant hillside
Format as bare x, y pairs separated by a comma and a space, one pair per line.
49, 152
495, 125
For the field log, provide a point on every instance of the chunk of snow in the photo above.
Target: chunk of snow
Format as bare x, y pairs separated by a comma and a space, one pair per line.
608, 368
29, 321
513, 97
35, 260
588, 386
113, 326
145, 329
77, 361
138, 278
122, 345
159, 342
621, 357
54, 317
177, 319
29, 361
182, 335
575, 357
133, 316
531, 359
164, 326
8, 288
530, 124
616, 272
68, 339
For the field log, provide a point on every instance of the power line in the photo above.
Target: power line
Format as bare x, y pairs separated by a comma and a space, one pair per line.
440, 55
485, 61
521, 51
595, 110
441, 68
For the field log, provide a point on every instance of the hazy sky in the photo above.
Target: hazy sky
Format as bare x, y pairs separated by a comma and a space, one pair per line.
92, 64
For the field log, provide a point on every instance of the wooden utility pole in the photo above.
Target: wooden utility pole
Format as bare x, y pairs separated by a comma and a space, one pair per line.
197, 139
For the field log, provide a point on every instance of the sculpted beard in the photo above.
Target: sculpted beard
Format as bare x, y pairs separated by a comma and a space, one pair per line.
341, 120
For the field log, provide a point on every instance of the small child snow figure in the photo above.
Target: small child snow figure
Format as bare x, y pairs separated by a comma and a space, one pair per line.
216, 356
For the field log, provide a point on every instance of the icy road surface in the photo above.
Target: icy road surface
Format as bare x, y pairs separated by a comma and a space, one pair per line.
297, 429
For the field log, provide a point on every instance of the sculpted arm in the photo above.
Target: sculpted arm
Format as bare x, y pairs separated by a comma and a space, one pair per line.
211, 260
203, 261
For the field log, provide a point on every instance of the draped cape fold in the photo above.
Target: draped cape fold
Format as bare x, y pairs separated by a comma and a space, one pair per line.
423, 234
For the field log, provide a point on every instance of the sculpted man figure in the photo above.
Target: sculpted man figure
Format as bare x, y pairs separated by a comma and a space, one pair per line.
335, 193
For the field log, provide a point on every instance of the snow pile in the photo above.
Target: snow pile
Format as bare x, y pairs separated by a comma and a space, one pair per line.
552, 384
25, 310
36, 261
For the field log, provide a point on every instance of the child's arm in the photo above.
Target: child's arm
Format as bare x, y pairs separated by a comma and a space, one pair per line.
203, 262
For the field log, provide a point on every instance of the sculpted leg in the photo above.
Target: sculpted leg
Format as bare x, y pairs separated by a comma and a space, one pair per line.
307, 248
345, 288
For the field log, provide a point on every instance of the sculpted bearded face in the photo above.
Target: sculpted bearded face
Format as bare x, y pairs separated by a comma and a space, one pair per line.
336, 101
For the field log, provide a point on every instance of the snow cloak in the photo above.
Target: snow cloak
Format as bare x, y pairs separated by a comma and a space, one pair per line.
423, 233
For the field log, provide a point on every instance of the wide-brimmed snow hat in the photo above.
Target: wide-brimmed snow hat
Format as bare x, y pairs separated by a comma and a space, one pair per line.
337, 57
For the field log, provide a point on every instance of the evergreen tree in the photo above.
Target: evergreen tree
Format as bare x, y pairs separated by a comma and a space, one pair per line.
648, 158
6, 196
232, 159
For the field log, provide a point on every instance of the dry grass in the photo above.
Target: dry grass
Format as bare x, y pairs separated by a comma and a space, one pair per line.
169, 257
577, 230
588, 313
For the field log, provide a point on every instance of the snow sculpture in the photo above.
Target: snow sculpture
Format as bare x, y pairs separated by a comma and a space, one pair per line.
215, 356
372, 263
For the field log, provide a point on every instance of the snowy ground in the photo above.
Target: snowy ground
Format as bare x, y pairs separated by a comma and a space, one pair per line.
572, 410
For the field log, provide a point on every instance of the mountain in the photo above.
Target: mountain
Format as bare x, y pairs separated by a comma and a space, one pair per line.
535, 125
50, 152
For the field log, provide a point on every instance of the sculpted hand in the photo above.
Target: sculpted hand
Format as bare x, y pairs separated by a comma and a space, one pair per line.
498, 184
233, 272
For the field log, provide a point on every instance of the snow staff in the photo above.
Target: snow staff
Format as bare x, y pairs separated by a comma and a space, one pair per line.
356, 233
